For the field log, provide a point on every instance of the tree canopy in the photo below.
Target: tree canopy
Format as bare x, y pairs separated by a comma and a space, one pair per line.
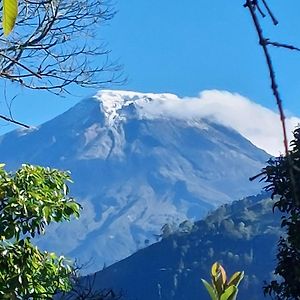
30, 199
282, 176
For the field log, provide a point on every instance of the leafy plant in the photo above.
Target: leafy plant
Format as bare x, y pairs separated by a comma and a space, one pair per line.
30, 199
282, 178
220, 288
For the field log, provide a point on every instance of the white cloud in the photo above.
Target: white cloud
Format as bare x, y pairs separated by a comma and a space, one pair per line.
258, 124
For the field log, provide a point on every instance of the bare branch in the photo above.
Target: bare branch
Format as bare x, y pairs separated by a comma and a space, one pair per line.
15, 61
251, 5
281, 45
274, 20
54, 45
10, 120
264, 42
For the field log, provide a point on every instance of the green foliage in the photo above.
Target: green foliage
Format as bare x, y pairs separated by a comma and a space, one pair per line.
220, 288
30, 199
282, 176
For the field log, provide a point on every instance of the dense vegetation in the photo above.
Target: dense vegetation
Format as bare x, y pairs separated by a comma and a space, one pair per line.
282, 178
32, 198
241, 236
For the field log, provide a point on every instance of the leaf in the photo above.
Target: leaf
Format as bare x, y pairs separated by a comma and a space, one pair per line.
230, 293
9, 15
74, 206
218, 277
210, 290
46, 212
223, 274
236, 278
217, 270
214, 269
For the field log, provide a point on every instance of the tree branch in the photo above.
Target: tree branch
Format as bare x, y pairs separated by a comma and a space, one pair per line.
10, 120
281, 45
53, 46
274, 86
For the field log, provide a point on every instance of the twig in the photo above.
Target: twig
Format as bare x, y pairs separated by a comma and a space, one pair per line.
264, 43
281, 45
274, 20
260, 10
13, 121
15, 61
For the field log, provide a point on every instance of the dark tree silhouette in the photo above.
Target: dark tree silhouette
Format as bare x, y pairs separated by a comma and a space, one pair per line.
279, 182
84, 289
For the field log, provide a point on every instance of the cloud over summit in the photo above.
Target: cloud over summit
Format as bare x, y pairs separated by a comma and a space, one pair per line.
258, 124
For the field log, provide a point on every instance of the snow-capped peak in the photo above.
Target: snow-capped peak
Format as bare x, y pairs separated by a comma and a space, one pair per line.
256, 123
113, 103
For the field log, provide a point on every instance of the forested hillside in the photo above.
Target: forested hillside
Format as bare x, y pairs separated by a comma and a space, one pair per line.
241, 235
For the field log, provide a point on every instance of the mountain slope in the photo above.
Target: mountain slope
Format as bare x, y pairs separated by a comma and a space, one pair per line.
241, 235
134, 169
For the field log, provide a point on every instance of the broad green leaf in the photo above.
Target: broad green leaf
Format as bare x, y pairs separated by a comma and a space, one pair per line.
74, 206
210, 290
229, 293
9, 15
236, 278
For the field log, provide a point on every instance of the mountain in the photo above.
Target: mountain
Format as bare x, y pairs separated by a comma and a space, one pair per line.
135, 168
242, 236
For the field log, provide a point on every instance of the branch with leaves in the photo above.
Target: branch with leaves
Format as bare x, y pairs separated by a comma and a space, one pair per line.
277, 177
31, 199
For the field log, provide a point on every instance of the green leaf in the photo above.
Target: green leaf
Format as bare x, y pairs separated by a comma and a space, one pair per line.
74, 206
236, 278
9, 15
210, 290
214, 269
46, 212
230, 293
218, 277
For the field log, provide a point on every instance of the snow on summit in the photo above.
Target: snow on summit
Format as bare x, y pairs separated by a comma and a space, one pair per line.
256, 123
112, 102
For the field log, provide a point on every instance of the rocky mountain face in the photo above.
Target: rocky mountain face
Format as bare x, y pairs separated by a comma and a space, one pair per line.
242, 236
135, 168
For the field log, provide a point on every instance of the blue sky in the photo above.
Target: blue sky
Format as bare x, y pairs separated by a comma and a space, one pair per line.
184, 48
